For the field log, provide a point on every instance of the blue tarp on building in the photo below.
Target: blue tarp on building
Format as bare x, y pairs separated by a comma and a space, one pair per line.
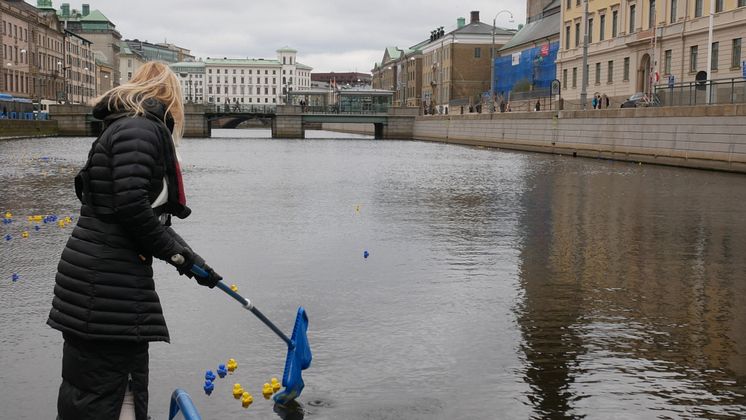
531, 67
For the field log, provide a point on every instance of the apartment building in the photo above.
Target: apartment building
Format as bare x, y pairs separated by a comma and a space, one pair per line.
634, 45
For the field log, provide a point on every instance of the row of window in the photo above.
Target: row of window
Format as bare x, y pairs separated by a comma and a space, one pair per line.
241, 100
668, 56
673, 10
243, 91
609, 73
15, 31
735, 58
225, 71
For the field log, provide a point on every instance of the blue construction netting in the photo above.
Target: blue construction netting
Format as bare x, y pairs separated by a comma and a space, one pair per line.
532, 69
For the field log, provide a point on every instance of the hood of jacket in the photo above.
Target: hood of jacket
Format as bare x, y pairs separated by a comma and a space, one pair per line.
154, 109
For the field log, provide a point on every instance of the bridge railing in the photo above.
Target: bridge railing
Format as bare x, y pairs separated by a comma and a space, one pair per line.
241, 108
337, 109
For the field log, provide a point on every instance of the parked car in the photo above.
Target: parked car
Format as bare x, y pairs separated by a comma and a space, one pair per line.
640, 99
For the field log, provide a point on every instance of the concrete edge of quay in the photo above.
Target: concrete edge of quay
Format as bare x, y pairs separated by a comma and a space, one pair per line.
19, 129
705, 137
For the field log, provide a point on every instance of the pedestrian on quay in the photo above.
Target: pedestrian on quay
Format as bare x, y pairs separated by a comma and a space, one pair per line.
594, 102
605, 100
537, 107
105, 303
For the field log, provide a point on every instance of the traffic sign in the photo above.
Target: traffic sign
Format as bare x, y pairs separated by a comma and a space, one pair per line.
670, 81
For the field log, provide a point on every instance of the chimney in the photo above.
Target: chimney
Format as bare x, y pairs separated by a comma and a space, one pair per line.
86, 9
474, 16
65, 9
460, 23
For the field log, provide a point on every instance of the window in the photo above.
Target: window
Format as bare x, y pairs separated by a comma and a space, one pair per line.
741, 3
693, 58
715, 51
632, 18
735, 61
568, 4
718, 6
610, 72
614, 23
574, 77
673, 11
602, 27
567, 37
651, 15
598, 73
477, 52
667, 62
590, 31
698, 8
577, 34
564, 77
625, 76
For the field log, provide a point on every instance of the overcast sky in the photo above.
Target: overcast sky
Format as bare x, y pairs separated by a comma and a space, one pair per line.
329, 35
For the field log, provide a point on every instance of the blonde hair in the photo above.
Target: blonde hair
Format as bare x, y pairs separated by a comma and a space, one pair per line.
153, 80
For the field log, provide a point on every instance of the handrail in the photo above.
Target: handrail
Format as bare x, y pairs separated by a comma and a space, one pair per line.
181, 402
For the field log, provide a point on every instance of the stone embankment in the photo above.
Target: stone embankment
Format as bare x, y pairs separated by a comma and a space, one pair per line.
707, 137
27, 128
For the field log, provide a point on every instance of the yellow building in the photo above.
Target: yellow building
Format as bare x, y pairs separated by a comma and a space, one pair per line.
636, 45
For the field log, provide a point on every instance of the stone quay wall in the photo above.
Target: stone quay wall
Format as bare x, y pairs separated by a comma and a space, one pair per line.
28, 128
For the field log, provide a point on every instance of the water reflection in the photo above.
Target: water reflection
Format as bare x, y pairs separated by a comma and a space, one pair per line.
629, 280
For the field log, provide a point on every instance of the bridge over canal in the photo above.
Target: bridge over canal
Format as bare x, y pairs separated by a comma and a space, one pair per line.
288, 121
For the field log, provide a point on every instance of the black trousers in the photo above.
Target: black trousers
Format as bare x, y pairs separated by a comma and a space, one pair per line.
95, 377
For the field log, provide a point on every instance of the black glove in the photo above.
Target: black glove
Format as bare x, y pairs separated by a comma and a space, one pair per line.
184, 262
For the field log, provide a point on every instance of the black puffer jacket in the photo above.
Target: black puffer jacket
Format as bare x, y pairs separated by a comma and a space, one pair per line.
104, 285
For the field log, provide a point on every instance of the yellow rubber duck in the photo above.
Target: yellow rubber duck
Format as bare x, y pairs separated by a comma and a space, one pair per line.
231, 365
246, 400
8, 215
234, 287
38, 218
61, 223
267, 391
275, 384
237, 391
24, 234
31, 218
68, 219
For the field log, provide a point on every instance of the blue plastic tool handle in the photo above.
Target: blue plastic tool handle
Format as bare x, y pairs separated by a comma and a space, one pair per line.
181, 402
224, 287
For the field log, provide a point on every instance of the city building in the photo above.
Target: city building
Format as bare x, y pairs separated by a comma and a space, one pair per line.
129, 61
456, 65
99, 30
167, 53
635, 44
352, 79
182, 54
525, 66
192, 78
400, 71
79, 69
32, 44
237, 81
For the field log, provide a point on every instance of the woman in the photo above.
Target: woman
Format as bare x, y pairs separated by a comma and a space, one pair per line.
105, 302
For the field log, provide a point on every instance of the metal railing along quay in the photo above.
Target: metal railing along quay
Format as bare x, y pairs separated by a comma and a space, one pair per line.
722, 91
240, 109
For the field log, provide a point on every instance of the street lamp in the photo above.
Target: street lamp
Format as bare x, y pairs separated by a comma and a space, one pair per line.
63, 69
492, 51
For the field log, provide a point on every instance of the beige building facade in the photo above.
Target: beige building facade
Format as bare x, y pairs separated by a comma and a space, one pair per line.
32, 43
635, 45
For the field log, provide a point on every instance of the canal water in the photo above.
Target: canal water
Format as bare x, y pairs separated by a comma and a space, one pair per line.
499, 285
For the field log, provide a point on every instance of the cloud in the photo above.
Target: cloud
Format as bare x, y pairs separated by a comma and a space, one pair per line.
329, 35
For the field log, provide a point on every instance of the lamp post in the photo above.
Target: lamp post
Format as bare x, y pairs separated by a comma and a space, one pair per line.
492, 52
709, 51
583, 87
63, 69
